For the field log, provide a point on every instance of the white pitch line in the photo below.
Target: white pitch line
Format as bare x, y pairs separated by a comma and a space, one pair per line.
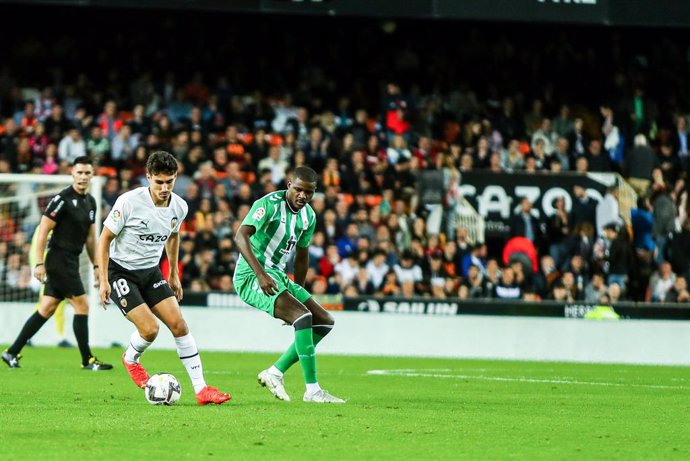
415, 374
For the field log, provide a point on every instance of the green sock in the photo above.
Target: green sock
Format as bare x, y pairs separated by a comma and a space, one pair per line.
289, 357
304, 345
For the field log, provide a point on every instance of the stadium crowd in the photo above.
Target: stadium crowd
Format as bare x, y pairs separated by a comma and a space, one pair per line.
369, 133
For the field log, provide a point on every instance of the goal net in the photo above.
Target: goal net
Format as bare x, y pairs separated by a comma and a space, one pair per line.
23, 197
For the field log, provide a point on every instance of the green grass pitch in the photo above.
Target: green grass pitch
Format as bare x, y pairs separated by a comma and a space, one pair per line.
398, 408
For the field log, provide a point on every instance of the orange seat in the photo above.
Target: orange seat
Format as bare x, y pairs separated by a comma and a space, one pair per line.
107, 171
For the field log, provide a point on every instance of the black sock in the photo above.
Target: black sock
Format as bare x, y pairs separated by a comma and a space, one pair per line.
81, 332
31, 327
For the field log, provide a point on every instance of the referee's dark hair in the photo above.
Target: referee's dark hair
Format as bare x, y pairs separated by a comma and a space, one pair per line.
83, 160
161, 162
306, 174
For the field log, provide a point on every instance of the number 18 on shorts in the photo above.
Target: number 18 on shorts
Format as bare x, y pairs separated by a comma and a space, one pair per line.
132, 288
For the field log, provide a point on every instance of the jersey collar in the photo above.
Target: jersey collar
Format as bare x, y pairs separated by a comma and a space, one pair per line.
290, 206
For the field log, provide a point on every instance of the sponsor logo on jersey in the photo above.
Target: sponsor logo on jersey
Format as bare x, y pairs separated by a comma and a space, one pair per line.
91, 215
290, 245
116, 215
173, 222
160, 283
156, 238
259, 213
145, 223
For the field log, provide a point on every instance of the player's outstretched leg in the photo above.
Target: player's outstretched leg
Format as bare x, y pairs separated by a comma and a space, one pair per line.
130, 359
289, 309
80, 324
169, 312
273, 377
139, 341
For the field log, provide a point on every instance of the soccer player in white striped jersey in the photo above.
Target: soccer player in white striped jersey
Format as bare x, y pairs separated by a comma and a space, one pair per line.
277, 224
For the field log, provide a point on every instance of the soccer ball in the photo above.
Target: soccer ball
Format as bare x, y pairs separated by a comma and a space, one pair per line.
162, 389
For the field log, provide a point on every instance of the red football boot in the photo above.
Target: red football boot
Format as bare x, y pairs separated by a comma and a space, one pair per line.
210, 394
137, 372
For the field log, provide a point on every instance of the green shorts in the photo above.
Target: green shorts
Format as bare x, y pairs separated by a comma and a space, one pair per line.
249, 291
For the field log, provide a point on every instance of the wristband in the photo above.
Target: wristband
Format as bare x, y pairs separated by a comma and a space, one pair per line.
38, 264
95, 266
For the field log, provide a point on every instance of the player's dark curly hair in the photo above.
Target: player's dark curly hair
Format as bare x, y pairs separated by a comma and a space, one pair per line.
306, 174
161, 162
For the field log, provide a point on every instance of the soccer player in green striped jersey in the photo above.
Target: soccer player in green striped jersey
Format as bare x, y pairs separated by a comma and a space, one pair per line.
277, 224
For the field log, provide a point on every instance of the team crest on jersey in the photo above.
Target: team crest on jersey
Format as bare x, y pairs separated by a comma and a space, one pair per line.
173, 222
259, 214
123, 302
74, 201
116, 215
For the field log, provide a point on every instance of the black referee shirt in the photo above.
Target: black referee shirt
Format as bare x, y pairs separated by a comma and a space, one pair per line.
74, 213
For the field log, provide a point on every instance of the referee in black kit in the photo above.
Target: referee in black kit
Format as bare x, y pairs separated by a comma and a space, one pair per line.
70, 215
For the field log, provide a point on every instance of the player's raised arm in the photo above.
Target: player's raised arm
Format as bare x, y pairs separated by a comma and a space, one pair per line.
267, 284
44, 229
102, 256
172, 250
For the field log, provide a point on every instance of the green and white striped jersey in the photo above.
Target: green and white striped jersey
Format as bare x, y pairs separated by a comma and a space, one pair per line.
278, 231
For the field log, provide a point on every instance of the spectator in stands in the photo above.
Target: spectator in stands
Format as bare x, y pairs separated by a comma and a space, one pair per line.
377, 268
547, 275
562, 154
607, 210
660, 283
595, 289
391, 285
616, 255
507, 287
473, 286
475, 257
407, 272
638, 165
109, 121
512, 159
558, 231
346, 270
676, 250
71, 147
559, 292
578, 140
679, 293
681, 141
57, 124
664, 211
362, 283
546, 134
524, 224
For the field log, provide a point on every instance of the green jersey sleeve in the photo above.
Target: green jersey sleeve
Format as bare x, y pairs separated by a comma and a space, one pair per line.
259, 214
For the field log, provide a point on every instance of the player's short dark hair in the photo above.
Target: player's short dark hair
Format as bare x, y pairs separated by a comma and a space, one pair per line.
82, 160
305, 174
161, 162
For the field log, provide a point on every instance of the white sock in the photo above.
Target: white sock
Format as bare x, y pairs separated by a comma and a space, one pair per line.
189, 354
137, 346
313, 388
275, 372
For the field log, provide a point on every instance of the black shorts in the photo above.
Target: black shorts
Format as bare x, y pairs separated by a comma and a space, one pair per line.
131, 288
62, 275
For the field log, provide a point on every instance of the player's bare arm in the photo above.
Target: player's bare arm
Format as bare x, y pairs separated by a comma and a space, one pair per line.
102, 255
44, 229
301, 264
172, 249
267, 284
